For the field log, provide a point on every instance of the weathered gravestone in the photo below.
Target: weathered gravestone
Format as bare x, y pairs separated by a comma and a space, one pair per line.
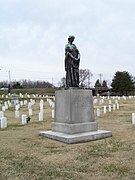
74, 116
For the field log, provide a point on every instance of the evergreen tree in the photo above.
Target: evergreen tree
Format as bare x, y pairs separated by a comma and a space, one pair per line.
122, 82
97, 84
104, 84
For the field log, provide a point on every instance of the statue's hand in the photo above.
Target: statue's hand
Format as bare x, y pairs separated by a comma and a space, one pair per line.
76, 59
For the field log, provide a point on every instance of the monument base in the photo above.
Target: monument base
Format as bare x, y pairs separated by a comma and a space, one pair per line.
74, 128
76, 138
74, 120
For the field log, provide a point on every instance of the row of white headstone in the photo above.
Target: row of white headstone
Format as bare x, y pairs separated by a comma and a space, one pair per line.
30, 111
24, 117
116, 98
101, 101
115, 106
29, 96
8, 104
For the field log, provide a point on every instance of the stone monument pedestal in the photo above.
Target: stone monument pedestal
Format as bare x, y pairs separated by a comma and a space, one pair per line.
74, 118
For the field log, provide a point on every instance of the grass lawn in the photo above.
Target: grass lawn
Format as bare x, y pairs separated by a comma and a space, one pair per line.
24, 155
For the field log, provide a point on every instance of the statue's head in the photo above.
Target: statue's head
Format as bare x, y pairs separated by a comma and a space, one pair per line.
71, 38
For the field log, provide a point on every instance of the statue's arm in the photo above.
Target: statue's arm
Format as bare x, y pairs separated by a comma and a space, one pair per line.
66, 56
72, 57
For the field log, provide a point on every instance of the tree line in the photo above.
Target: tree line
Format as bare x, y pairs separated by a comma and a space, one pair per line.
26, 84
122, 82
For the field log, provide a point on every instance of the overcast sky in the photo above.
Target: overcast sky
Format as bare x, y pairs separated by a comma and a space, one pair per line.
33, 34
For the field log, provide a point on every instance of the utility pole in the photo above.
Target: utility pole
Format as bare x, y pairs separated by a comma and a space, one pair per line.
100, 78
9, 77
9, 86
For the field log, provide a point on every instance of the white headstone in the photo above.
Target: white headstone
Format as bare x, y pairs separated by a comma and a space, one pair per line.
114, 107
24, 121
53, 105
104, 109
124, 97
116, 101
118, 106
5, 103
109, 108
25, 102
29, 105
41, 104
101, 101
53, 113
33, 102
50, 103
110, 102
98, 112
95, 101
3, 122
28, 96
10, 104
30, 112
133, 118
3, 108
21, 103
6, 106
17, 107
17, 114
1, 114
40, 116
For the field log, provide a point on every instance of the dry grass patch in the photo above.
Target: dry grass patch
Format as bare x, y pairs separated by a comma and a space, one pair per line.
26, 155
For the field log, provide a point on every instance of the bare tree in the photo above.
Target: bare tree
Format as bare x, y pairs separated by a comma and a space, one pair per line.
85, 78
62, 82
